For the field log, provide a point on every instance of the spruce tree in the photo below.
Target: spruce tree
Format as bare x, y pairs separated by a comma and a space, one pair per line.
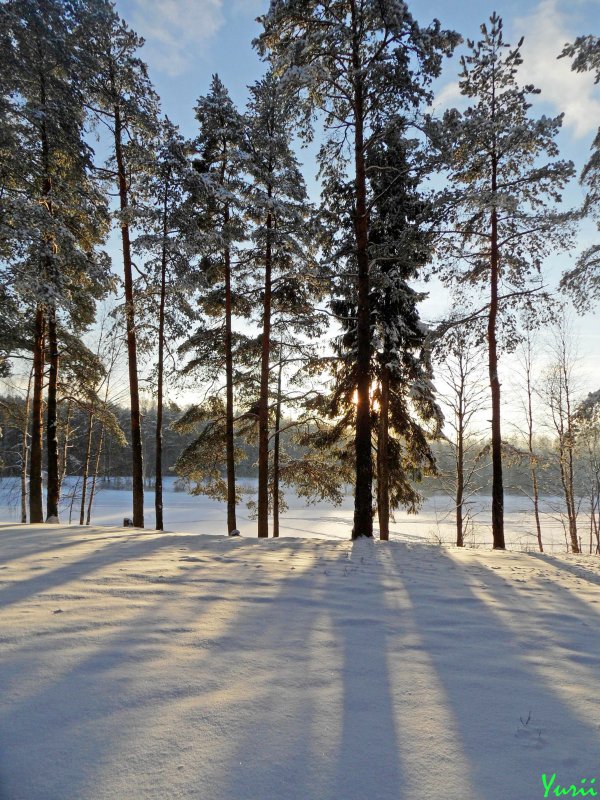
360, 64
404, 411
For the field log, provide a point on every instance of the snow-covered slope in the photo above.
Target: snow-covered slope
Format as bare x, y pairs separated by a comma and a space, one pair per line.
164, 666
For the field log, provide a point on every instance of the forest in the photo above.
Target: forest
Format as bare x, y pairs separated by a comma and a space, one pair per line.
136, 263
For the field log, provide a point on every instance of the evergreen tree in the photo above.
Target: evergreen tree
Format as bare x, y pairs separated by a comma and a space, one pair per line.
404, 411
502, 213
360, 64
171, 281
281, 245
584, 280
219, 228
60, 217
125, 103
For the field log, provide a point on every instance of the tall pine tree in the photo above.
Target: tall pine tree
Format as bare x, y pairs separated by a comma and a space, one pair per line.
125, 103
500, 162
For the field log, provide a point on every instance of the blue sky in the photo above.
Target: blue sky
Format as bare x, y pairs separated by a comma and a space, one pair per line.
189, 40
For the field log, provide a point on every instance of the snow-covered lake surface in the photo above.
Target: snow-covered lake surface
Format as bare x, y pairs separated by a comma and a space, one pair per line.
144, 666
434, 523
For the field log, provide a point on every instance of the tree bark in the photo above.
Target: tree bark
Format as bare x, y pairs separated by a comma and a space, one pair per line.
383, 473
25, 449
65, 446
263, 406
95, 476
53, 492
158, 467
363, 496
497, 484
86, 466
229, 411
36, 511
134, 393
460, 471
276, 447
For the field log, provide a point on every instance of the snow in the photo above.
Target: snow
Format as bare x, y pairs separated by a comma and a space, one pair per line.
144, 665
434, 523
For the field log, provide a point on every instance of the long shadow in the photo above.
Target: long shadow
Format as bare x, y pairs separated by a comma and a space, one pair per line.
273, 738
76, 724
369, 756
275, 748
511, 719
321, 727
572, 621
107, 554
38, 547
103, 710
578, 569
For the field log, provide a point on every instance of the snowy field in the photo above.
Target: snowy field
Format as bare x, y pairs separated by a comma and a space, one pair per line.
433, 524
145, 666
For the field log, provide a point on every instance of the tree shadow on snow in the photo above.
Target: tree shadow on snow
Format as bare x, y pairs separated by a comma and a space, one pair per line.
513, 720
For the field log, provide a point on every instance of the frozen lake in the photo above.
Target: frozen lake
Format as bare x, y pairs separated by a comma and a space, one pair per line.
434, 523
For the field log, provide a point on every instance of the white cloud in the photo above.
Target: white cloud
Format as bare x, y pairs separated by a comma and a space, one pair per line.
174, 30
448, 96
546, 31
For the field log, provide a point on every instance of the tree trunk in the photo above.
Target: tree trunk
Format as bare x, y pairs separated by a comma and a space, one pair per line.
64, 459
263, 406
276, 446
383, 473
229, 411
95, 475
460, 473
532, 458
86, 466
158, 468
36, 511
53, 493
134, 393
497, 485
363, 497
25, 449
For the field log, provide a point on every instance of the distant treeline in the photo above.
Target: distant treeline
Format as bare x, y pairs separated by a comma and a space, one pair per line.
115, 457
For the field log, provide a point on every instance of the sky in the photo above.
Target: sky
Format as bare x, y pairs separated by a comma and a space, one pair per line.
187, 41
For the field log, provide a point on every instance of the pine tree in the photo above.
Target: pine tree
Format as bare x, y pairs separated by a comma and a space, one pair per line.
217, 218
125, 103
584, 280
171, 281
360, 63
278, 209
297, 328
62, 216
503, 214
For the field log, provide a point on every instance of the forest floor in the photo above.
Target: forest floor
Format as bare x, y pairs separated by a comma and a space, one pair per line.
139, 665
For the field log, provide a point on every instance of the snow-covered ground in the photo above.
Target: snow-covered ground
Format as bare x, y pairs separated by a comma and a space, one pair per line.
137, 665
434, 523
